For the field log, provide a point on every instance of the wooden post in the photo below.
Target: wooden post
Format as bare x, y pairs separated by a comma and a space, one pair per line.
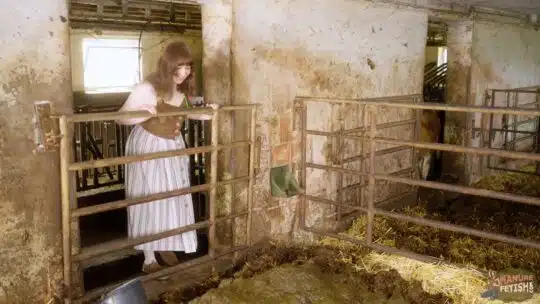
252, 141
213, 183
66, 217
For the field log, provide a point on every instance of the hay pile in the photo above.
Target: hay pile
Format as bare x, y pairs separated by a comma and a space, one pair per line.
308, 274
382, 277
464, 284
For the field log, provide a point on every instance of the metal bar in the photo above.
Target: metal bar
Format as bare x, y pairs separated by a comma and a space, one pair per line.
335, 169
135, 201
340, 145
462, 189
502, 130
362, 129
459, 229
416, 137
104, 248
302, 203
332, 203
360, 100
137, 158
239, 107
440, 186
377, 153
534, 103
95, 293
371, 178
213, 180
362, 153
431, 106
355, 207
377, 247
523, 90
386, 125
456, 148
252, 139
66, 206
537, 146
514, 122
100, 116
511, 170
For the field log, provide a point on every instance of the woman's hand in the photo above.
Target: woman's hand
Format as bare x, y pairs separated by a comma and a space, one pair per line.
150, 108
214, 106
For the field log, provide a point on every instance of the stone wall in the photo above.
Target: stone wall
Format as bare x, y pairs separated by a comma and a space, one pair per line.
503, 57
35, 66
345, 49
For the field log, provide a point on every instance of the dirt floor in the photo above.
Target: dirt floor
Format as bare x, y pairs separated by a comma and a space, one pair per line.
338, 272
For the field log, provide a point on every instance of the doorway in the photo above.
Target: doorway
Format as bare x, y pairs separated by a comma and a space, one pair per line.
434, 90
113, 47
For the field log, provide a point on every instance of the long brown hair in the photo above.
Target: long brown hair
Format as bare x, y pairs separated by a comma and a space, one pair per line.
176, 53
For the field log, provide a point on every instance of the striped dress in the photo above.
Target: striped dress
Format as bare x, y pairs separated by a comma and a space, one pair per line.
155, 176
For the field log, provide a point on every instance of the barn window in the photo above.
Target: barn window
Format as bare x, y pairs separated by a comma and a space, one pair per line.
110, 65
442, 56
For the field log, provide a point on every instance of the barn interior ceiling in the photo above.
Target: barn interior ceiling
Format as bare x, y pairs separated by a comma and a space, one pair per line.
150, 15
518, 6
182, 15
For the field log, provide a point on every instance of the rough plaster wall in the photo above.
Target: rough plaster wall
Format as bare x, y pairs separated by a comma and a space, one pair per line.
217, 33
152, 43
503, 57
317, 48
459, 45
35, 66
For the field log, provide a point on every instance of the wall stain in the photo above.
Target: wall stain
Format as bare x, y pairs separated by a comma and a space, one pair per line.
29, 198
322, 75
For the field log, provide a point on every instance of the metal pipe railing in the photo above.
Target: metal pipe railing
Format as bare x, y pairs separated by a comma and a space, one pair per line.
371, 210
69, 214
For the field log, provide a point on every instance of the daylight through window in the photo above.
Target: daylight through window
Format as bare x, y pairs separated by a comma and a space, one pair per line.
110, 65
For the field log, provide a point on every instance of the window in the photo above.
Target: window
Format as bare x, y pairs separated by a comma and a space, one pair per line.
442, 56
110, 65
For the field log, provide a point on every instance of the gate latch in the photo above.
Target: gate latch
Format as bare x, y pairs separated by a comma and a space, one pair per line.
46, 128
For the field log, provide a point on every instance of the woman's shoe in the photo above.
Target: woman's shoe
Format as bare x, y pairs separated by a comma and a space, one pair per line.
152, 267
167, 258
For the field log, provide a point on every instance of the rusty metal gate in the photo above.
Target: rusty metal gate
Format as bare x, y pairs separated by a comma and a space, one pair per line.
105, 139
369, 133
513, 132
73, 254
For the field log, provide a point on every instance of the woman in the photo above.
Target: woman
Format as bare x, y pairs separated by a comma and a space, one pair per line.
164, 90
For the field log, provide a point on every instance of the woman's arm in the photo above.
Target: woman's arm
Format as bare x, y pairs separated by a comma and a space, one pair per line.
142, 98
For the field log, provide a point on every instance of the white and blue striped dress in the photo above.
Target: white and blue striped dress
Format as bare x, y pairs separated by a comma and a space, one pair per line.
155, 176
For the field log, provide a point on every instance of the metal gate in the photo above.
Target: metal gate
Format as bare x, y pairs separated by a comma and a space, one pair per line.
369, 133
73, 254
512, 132
104, 139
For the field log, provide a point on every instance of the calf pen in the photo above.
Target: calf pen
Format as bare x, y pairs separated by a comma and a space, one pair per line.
367, 204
